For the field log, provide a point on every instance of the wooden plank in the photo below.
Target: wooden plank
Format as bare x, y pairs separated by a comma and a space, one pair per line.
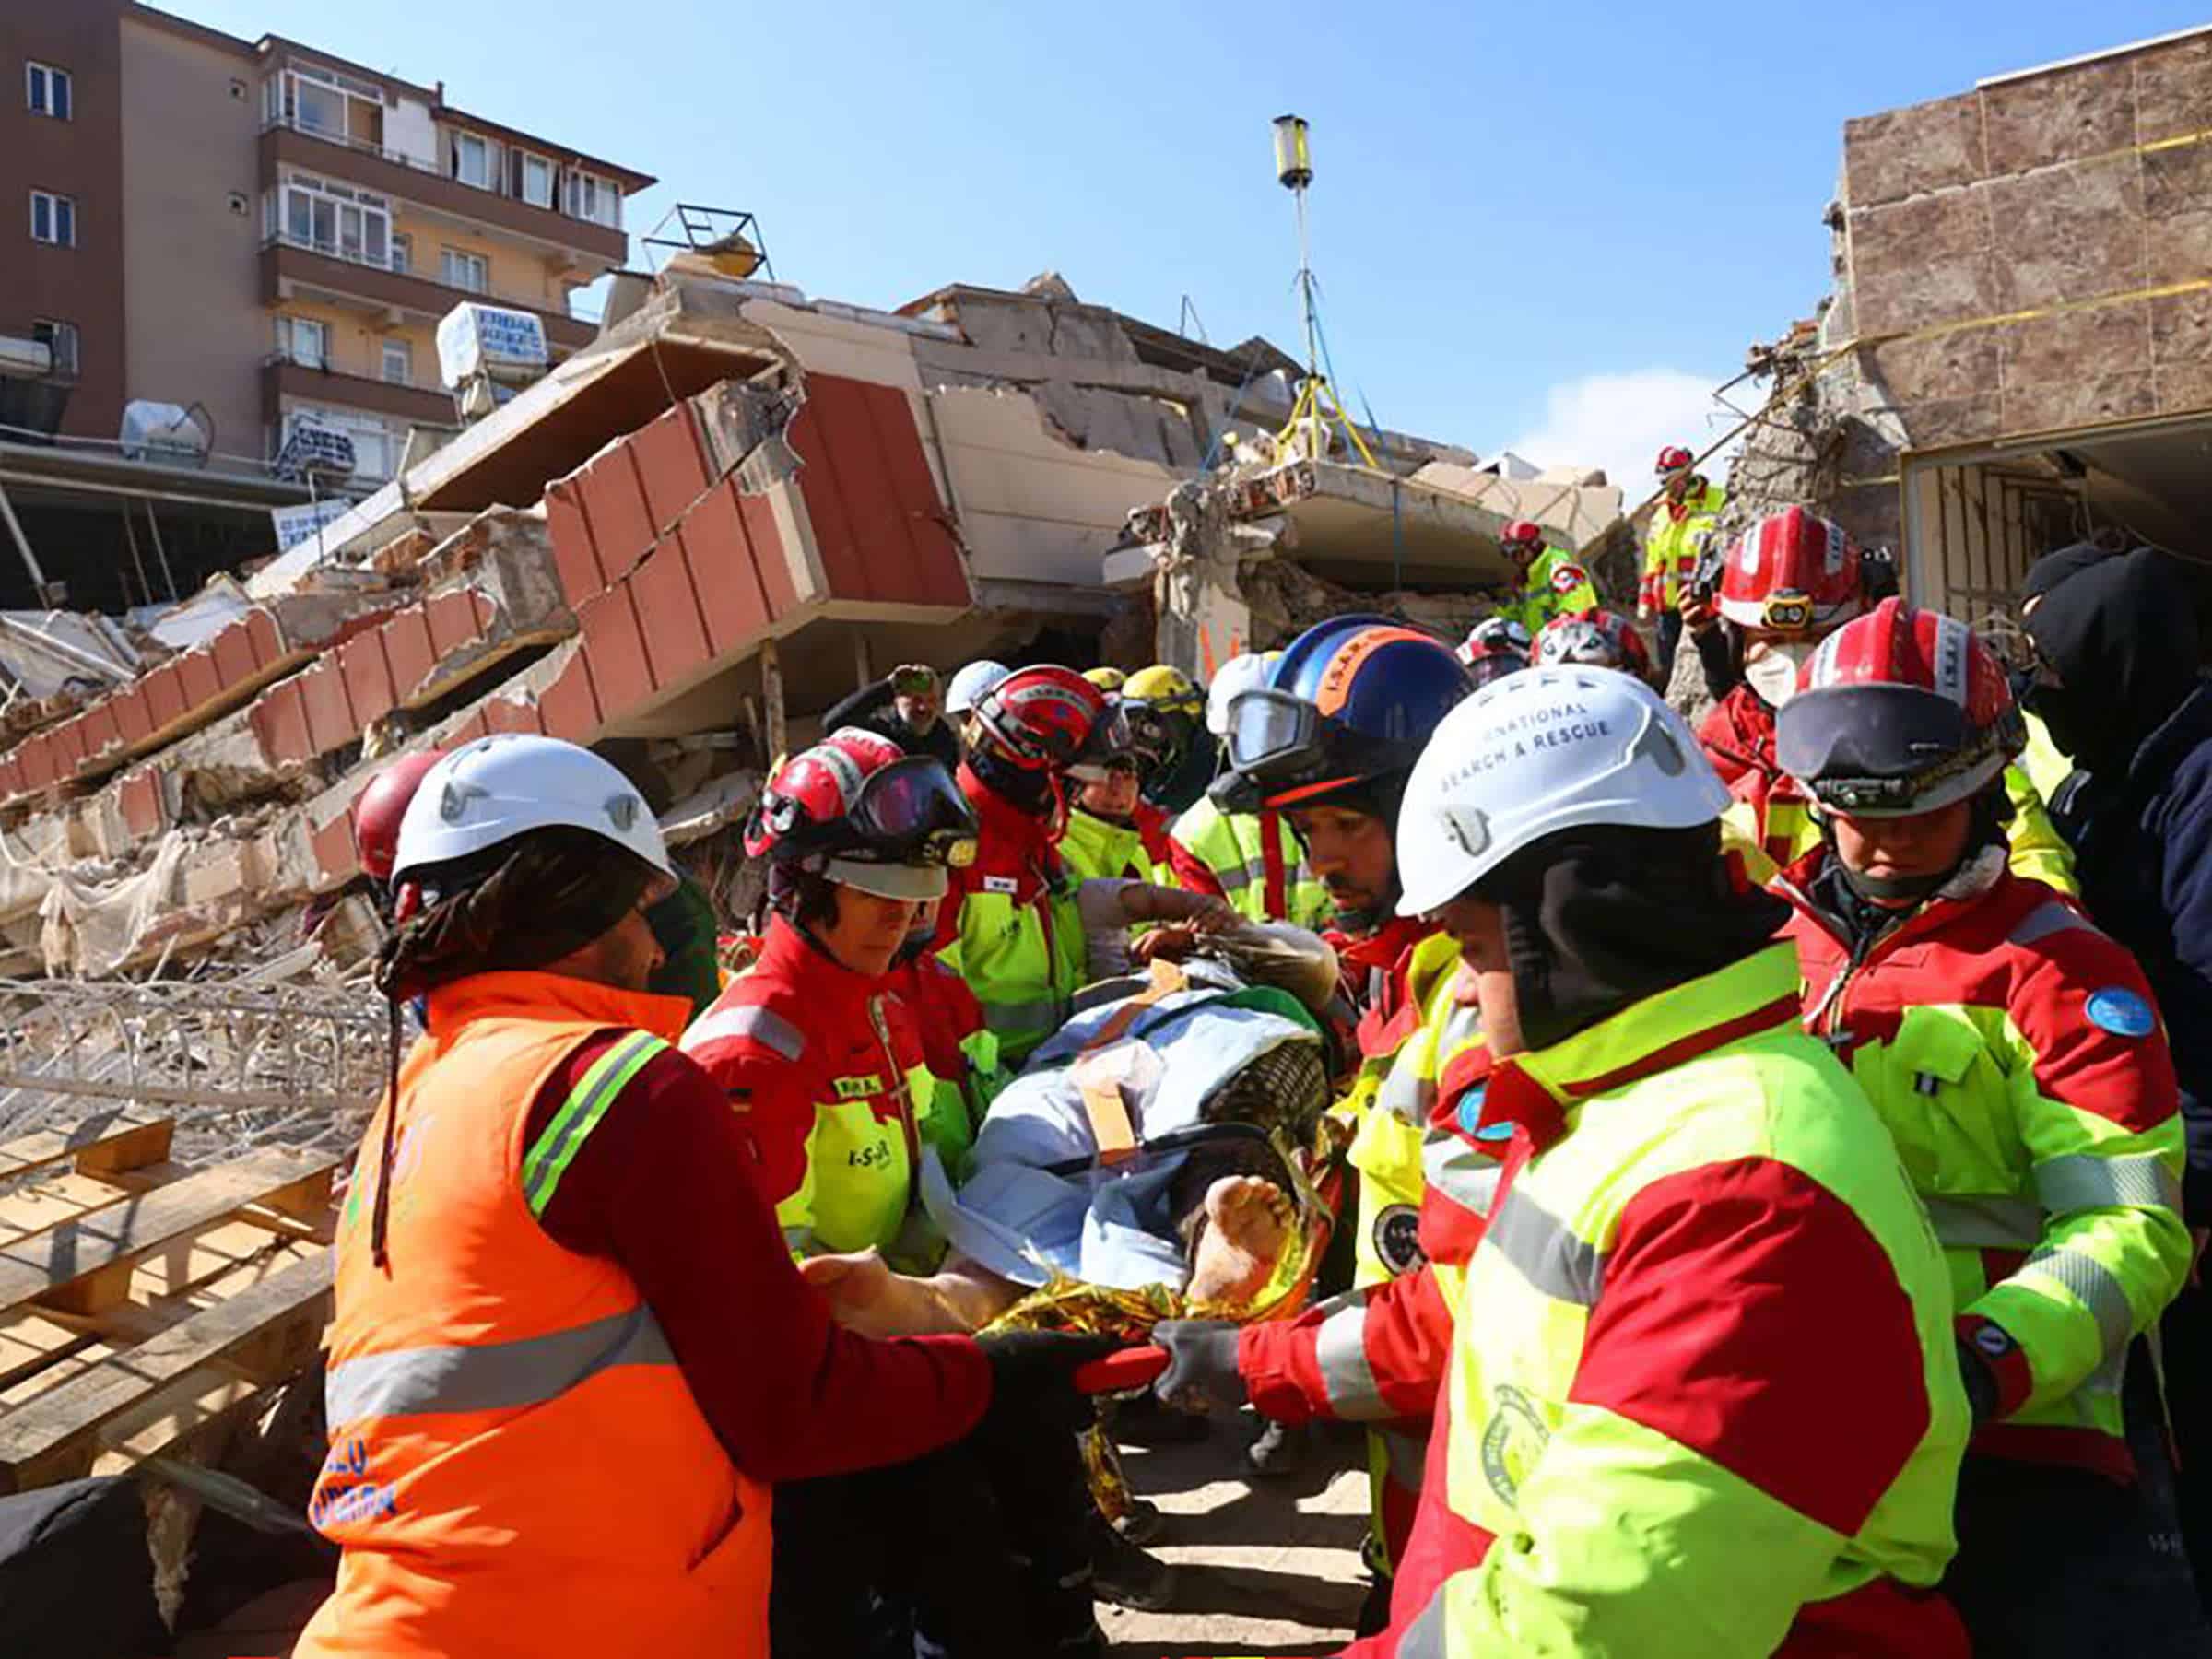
103, 1142
264, 1332
32, 1342
85, 1267
46, 1201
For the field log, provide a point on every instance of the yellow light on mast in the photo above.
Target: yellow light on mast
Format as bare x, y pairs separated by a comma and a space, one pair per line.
1293, 154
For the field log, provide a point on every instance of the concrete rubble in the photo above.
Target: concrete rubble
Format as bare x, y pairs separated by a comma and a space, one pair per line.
695, 535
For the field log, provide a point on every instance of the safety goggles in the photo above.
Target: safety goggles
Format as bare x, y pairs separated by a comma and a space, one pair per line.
1885, 751
1273, 735
911, 811
1151, 729
914, 681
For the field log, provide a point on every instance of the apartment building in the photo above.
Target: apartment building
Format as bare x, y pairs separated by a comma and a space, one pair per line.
270, 232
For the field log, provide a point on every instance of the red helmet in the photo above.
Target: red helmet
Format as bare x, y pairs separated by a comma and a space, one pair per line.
1041, 719
378, 809
1900, 712
1792, 572
861, 811
1497, 646
1674, 458
1523, 533
1600, 639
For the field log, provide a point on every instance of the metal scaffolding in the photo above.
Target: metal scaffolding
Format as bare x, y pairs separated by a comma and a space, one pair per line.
239, 1065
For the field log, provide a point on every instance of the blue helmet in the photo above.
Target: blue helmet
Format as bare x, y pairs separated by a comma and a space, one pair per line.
1346, 712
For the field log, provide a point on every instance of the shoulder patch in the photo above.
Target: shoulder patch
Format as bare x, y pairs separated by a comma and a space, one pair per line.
2122, 1012
1566, 578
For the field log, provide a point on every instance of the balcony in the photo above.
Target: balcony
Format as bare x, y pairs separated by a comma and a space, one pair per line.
281, 377
410, 179
347, 279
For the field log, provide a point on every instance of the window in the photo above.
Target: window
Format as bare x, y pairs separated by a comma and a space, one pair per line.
336, 219
304, 341
327, 103
399, 363
53, 219
61, 339
472, 160
537, 186
403, 252
592, 197
469, 271
48, 90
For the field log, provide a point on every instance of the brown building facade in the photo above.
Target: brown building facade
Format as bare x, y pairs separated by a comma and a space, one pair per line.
296, 224
61, 198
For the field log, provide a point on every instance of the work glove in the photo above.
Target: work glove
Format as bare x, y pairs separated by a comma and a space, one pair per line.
1981, 1391
1202, 1365
1032, 1380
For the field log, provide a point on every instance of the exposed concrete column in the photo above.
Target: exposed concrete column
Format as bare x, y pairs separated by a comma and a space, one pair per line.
772, 699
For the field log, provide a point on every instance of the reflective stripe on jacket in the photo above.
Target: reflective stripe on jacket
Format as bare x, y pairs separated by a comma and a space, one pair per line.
835, 1091
516, 1463
1711, 1406
1231, 854
1670, 544
2015, 1054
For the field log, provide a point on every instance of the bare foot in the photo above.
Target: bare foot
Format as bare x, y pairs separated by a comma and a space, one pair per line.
1247, 1224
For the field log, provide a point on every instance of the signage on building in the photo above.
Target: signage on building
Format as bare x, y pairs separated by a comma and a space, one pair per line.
295, 524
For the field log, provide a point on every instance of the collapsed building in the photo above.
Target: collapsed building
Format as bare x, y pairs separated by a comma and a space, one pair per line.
2017, 351
690, 538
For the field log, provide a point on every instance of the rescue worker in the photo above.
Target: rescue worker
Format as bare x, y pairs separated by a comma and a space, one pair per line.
1688, 513
2119, 647
1329, 742
1167, 719
548, 1431
961, 1054
830, 1074
377, 814
1791, 580
1009, 924
1551, 581
2014, 1054
1112, 831
1494, 647
1711, 1406
1250, 859
1599, 639
968, 684
907, 706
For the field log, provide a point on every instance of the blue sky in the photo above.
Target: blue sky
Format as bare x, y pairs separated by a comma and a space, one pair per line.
1552, 226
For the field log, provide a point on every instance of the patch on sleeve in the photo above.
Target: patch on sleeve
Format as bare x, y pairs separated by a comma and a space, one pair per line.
2122, 1012
1566, 578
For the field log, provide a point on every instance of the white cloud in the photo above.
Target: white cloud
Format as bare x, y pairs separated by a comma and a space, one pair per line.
1621, 422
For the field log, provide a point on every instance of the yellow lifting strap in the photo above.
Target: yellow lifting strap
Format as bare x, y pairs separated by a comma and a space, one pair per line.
1101, 1080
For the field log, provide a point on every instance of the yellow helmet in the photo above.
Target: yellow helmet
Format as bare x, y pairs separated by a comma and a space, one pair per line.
1166, 689
1107, 679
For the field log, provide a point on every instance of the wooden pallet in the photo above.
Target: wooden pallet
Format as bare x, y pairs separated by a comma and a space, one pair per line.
141, 1302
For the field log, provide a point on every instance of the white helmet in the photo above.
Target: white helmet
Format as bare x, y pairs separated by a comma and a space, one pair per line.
1232, 681
969, 684
497, 788
1544, 749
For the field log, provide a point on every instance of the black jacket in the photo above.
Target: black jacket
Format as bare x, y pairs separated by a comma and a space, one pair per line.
872, 709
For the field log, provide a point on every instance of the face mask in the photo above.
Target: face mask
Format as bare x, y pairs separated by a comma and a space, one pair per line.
1774, 674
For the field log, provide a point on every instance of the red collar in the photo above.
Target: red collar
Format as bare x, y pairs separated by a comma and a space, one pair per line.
1693, 500
1009, 841
789, 957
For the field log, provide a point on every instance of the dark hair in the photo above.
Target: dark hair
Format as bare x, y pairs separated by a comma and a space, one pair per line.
804, 899
525, 903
